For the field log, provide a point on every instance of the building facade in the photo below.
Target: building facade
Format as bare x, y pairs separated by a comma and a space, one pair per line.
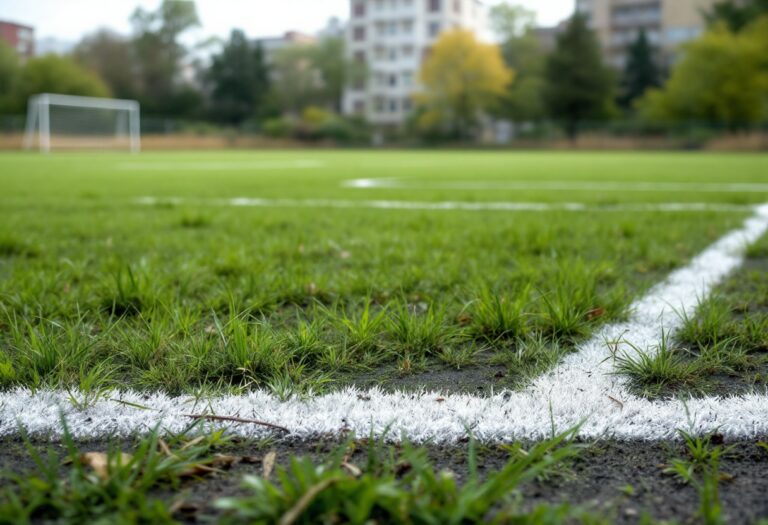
21, 38
388, 40
667, 23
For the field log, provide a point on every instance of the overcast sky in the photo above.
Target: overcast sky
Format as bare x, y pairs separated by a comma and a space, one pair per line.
70, 19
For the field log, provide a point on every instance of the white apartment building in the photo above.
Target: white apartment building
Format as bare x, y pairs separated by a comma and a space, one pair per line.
390, 39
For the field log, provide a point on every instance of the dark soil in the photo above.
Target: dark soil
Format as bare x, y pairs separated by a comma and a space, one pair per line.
621, 480
483, 377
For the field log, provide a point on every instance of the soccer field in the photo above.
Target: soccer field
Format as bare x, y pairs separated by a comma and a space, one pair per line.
441, 336
325, 289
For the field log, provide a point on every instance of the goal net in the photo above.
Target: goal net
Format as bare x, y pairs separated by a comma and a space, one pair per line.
67, 121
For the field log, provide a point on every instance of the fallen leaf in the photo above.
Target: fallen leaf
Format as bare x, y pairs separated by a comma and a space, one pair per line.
344, 255
595, 313
268, 464
100, 462
440, 399
464, 319
352, 469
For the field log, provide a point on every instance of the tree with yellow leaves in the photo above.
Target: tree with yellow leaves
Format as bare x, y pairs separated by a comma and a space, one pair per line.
462, 78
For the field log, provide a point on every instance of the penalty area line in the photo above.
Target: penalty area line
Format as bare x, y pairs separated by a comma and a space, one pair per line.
583, 389
503, 206
622, 186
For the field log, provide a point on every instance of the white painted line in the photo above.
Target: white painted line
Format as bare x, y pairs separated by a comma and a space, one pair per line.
250, 165
570, 185
576, 391
506, 206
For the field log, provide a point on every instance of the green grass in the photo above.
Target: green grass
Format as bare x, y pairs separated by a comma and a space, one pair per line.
147, 483
203, 297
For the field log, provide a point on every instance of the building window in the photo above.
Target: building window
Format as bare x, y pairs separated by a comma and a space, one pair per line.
359, 107
392, 80
407, 104
358, 10
393, 105
407, 78
392, 54
358, 33
407, 51
433, 29
434, 6
457, 6
360, 57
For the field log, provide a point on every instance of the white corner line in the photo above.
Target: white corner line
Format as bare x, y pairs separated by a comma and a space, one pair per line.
582, 389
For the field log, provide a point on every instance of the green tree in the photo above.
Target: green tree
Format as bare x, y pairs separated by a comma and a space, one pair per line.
307, 74
462, 79
722, 78
641, 72
295, 82
737, 15
9, 77
522, 51
329, 59
160, 55
579, 85
111, 56
239, 80
56, 74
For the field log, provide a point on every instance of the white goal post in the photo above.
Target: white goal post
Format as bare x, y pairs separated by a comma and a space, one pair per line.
82, 122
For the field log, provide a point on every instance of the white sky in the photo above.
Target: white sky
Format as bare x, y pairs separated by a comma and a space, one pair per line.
70, 19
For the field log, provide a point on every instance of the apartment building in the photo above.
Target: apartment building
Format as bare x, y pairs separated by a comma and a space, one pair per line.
389, 40
667, 23
21, 38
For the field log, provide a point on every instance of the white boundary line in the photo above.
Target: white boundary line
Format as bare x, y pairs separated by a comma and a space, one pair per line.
576, 391
246, 165
569, 185
506, 206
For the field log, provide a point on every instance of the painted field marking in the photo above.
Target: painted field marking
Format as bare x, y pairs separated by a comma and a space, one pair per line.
223, 165
654, 187
505, 206
581, 389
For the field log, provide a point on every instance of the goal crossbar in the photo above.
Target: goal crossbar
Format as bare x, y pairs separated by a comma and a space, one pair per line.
38, 116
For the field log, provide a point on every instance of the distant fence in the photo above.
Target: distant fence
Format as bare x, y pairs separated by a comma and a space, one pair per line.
176, 134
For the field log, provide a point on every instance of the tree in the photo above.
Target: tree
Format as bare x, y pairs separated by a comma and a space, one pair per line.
579, 86
311, 75
111, 56
328, 58
510, 21
722, 78
641, 72
462, 78
57, 74
9, 76
737, 15
239, 80
296, 83
522, 53
160, 55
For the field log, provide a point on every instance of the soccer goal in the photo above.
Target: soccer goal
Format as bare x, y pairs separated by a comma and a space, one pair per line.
67, 121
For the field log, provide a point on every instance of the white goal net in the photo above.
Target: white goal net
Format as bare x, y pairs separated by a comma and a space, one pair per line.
67, 121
